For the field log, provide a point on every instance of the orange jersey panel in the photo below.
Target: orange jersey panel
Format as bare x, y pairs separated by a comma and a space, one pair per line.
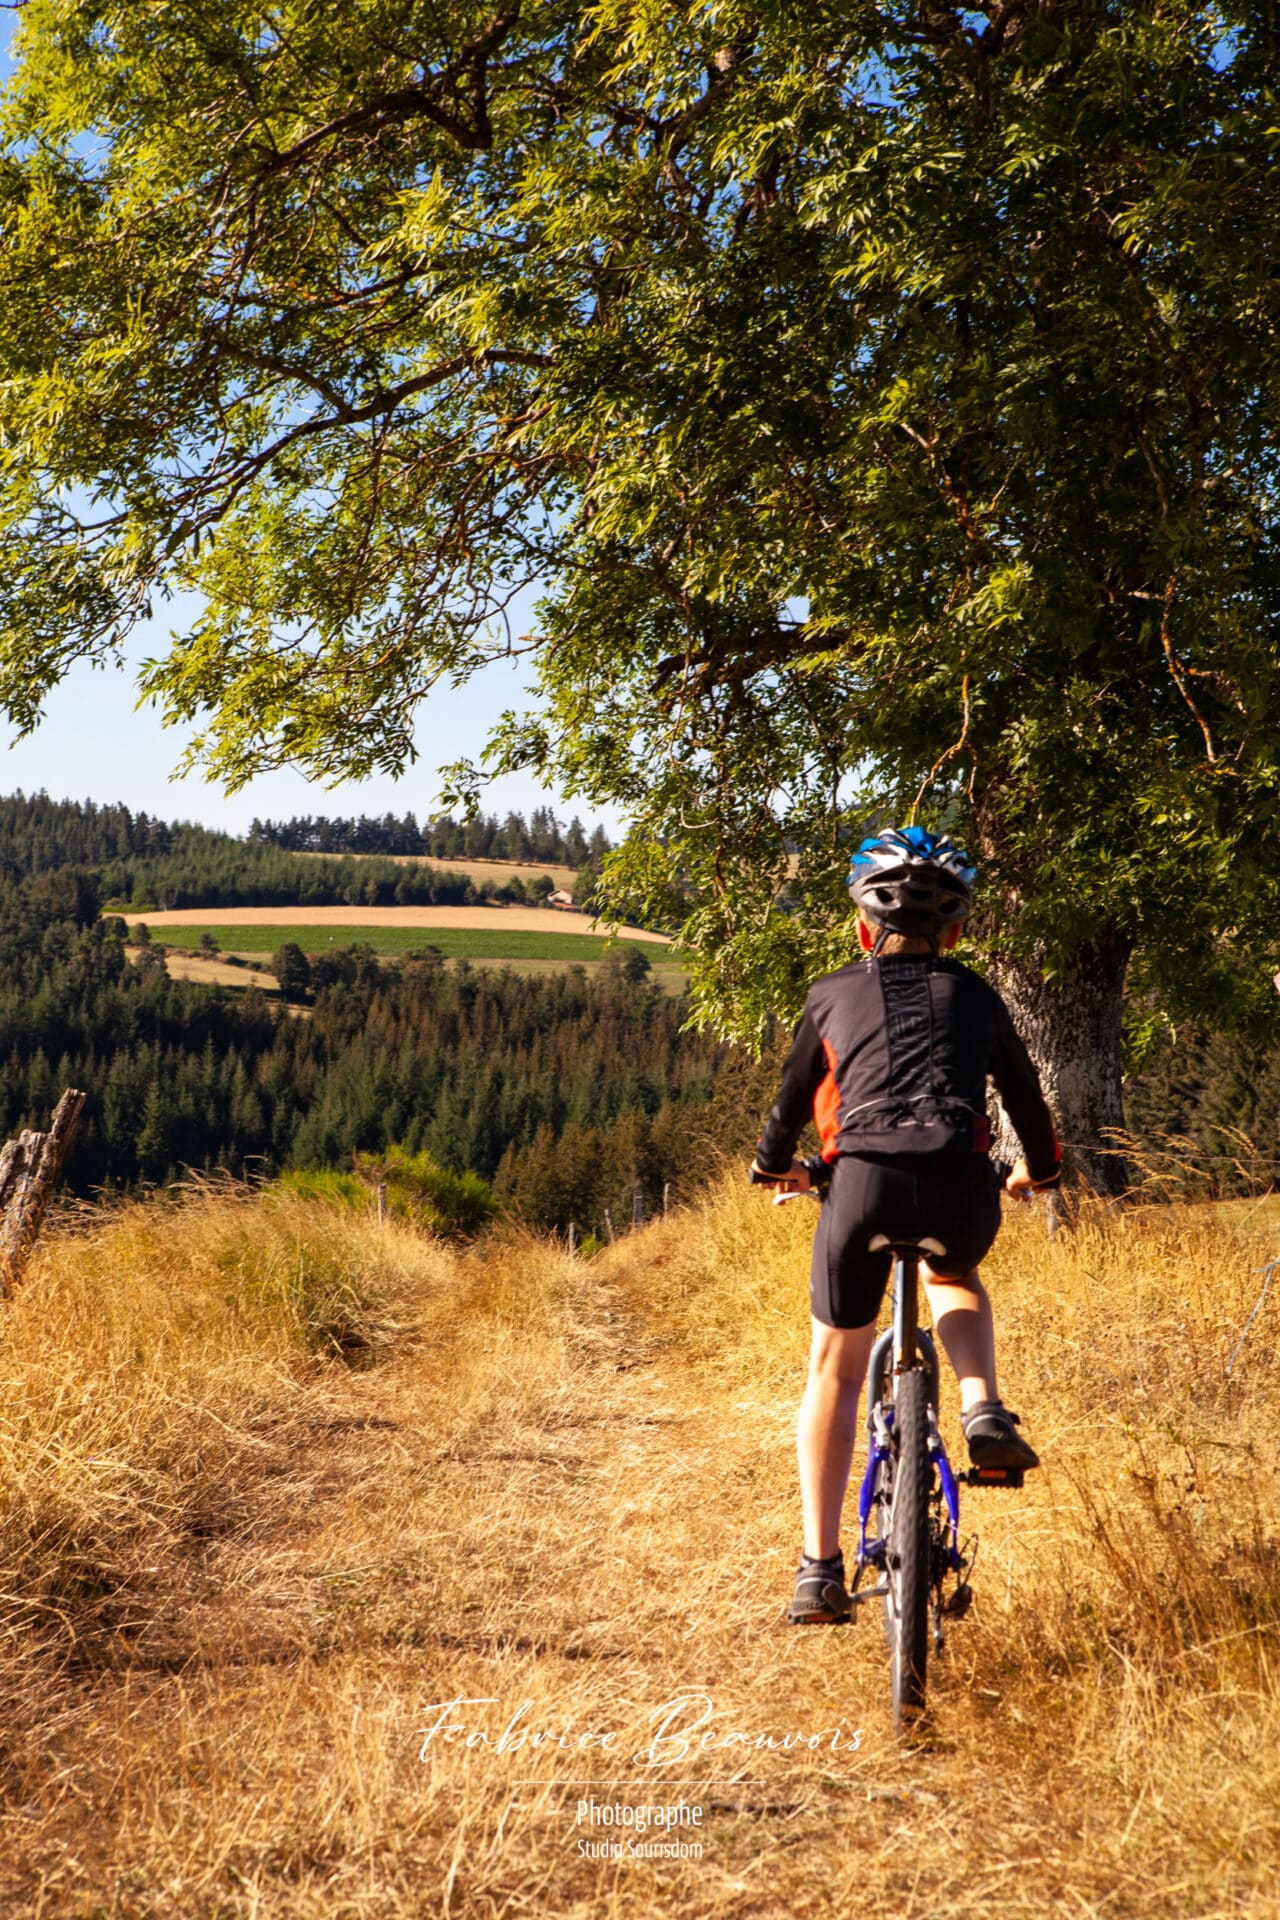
826, 1106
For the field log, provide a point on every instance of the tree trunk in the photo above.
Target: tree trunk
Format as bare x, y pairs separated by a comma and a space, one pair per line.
30, 1168
1072, 1033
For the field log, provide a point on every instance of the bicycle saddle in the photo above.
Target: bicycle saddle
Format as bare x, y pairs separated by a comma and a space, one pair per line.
897, 1244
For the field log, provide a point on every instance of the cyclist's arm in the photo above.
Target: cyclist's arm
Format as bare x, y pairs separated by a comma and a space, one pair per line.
803, 1074
1018, 1085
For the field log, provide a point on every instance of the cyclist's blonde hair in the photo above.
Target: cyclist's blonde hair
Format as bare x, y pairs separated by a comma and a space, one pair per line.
905, 943
891, 943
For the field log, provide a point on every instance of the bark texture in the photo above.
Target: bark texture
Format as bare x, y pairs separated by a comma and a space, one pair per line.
1072, 1033
30, 1168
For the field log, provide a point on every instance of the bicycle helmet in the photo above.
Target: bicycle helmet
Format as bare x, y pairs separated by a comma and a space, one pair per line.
905, 880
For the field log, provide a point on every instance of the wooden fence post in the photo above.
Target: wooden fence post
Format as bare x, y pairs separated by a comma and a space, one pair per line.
30, 1168
608, 1225
637, 1209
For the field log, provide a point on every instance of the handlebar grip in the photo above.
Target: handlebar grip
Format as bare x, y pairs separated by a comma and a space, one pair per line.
816, 1167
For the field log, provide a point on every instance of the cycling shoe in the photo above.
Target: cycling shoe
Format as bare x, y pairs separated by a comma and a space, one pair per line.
991, 1431
820, 1599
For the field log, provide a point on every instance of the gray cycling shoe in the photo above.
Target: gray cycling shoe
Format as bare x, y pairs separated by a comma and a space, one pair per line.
994, 1442
820, 1599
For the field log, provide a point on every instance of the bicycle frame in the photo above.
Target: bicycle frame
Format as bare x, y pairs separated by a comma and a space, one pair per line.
909, 1482
910, 1346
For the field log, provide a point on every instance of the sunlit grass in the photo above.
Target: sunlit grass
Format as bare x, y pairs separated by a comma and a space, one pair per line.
275, 1480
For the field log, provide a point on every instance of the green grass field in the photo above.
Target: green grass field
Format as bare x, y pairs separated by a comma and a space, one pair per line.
453, 942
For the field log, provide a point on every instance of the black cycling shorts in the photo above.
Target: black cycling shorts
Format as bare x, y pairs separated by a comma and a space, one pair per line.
951, 1197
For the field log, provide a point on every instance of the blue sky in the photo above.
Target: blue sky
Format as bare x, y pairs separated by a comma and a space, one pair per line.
97, 744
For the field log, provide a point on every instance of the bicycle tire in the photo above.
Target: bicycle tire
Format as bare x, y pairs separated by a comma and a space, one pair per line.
906, 1603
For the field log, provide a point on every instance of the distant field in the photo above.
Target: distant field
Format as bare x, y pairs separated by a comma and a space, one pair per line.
212, 973
455, 942
477, 870
504, 921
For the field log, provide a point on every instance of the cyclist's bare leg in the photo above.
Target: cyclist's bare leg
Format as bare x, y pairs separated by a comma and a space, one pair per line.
827, 1428
962, 1317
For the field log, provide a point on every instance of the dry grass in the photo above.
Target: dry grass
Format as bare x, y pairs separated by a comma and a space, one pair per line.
477, 870
212, 973
275, 1482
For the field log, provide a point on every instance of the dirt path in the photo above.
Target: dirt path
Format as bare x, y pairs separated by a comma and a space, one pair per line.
531, 1558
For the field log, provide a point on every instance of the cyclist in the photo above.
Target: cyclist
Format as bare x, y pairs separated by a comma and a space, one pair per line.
891, 1059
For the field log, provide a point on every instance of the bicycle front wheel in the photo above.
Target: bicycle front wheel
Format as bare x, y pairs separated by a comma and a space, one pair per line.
907, 1571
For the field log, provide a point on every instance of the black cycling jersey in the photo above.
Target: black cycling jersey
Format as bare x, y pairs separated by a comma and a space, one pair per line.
892, 1055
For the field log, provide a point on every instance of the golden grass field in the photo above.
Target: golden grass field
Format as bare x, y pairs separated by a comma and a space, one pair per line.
277, 1483
212, 973
477, 870
554, 920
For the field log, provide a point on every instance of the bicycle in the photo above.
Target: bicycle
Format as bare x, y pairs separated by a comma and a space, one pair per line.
909, 1500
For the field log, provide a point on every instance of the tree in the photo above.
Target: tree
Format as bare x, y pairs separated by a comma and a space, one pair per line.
882, 396
292, 970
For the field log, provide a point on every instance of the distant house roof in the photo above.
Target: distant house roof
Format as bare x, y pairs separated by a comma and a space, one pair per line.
560, 898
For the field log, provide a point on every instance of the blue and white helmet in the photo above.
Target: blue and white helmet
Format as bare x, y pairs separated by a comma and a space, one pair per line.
913, 882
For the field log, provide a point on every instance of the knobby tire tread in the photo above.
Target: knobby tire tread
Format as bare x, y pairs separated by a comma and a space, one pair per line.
909, 1545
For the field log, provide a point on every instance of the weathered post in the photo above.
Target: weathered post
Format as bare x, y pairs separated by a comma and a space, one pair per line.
30, 1168
637, 1209
608, 1225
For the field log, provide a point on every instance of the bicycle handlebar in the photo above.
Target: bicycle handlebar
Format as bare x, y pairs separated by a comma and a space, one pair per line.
819, 1171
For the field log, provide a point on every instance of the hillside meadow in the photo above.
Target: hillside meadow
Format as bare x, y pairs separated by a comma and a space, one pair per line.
477, 870
531, 938
557, 923
278, 1487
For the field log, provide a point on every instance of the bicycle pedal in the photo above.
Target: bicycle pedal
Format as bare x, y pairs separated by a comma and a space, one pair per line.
957, 1604
994, 1476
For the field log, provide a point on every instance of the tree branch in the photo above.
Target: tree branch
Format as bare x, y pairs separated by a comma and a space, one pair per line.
1175, 668
417, 102
227, 488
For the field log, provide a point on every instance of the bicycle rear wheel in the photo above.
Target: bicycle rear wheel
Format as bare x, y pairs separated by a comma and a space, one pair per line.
906, 1603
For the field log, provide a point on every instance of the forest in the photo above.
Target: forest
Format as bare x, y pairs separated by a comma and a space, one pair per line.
483, 837
142, 863
567, 1094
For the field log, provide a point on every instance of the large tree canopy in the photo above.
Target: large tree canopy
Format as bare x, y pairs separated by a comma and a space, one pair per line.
884, 397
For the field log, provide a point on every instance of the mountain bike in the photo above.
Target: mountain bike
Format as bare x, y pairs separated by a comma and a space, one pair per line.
909, 1500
